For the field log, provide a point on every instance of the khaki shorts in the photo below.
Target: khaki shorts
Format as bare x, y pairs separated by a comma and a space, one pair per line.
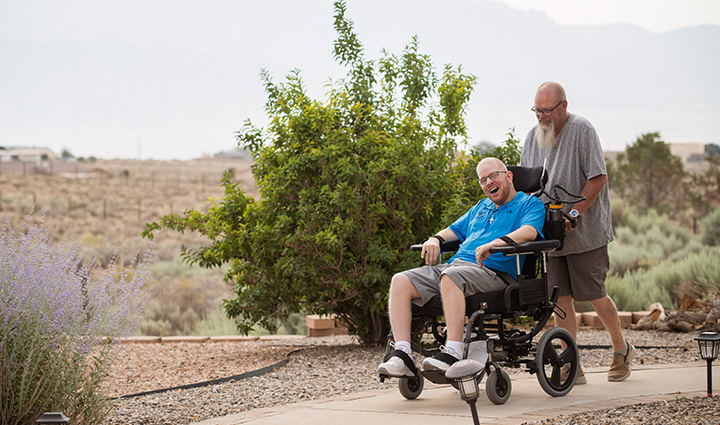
469, 277
580, 275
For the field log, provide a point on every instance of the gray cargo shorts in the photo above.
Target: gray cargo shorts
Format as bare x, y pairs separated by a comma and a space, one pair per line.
469, 277
580, 275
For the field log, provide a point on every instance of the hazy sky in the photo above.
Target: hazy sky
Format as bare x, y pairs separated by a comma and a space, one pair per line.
653, 15
206, 28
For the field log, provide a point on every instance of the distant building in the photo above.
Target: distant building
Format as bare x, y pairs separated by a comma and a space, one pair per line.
237, 153
692, 155
689, 153
32, 155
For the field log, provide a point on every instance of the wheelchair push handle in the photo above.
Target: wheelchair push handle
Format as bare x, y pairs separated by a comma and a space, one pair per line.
555, 220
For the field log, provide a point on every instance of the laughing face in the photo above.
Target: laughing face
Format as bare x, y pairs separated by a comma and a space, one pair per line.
496, 181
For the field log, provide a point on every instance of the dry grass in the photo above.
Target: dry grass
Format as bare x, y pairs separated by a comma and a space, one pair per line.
104, 205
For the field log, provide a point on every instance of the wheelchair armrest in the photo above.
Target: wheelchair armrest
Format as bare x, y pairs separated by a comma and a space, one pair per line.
446, 247
528, 247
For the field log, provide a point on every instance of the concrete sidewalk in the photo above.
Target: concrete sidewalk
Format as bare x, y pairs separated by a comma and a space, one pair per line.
528, 401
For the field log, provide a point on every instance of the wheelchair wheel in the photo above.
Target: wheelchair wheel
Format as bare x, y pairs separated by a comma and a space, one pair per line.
498, 386
551, 358
411, 386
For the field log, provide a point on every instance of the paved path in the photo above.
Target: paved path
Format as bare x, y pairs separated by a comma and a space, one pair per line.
528, 402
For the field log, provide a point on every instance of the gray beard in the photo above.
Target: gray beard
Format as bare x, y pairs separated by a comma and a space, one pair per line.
545, 135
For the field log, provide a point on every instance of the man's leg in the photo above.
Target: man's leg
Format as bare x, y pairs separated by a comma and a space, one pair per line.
453, 300
608, 314
559, 275
457, 282
402, 292
453, 308
588, 271
623, 351
569, 322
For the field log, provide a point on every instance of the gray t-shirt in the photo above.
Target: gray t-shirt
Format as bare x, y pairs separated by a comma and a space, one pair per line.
576, 157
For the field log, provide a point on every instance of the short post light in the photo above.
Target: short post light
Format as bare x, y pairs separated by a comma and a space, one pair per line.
709, 343
53, 418
465, 374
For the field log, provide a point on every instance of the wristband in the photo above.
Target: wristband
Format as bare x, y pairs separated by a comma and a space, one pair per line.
439, 238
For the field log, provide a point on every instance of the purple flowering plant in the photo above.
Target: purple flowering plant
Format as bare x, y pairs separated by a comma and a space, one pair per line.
61, 319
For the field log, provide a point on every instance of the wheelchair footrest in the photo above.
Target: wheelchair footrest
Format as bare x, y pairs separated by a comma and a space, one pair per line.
435, 376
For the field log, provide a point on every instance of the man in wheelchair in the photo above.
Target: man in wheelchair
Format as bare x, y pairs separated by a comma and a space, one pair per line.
505, 217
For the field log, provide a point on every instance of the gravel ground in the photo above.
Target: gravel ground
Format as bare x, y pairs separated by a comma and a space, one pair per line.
318, 368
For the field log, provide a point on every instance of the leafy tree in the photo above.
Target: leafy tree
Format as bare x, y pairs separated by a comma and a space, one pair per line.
345, 185
704, 190
712, 149
649, 176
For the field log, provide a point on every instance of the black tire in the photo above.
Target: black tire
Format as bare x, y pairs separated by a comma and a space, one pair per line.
411, 386
498, 386
550, 358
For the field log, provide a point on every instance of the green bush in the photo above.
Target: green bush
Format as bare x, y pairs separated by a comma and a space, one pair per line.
54, 311
638, 250
698, 275
625, 216
642, 241
711, 228
345, 184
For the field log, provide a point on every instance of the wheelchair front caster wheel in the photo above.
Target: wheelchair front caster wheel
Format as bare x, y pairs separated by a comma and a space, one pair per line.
498, 386
411, 386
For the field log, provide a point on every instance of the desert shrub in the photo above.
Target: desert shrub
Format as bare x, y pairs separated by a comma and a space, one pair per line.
711, 228
698, 275
642, 241
632, 250
181, 296
54, 310
642, 221
165, 319
216, 323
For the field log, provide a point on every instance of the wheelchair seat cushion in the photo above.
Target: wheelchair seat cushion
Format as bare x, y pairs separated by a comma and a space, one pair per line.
492, 302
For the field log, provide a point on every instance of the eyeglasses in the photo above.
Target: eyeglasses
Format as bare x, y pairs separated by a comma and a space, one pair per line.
492, 176
545, 111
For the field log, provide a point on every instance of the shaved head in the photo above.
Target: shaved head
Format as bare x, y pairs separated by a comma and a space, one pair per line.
492, 163
553, 89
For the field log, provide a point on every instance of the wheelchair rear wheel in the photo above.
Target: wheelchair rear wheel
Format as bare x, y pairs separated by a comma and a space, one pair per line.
498, 386
411, 386
551, 358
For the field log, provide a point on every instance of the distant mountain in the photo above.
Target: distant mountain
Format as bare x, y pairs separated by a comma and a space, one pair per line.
112, 98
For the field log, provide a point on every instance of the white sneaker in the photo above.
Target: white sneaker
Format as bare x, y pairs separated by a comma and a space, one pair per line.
395, 366
442, 361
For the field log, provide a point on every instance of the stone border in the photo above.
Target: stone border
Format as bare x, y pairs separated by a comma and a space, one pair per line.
320, 326
251, 374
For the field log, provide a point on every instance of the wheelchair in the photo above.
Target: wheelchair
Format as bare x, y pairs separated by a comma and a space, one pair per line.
493, 316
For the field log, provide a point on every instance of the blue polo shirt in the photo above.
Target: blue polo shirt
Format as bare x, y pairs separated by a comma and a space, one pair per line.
484, 223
